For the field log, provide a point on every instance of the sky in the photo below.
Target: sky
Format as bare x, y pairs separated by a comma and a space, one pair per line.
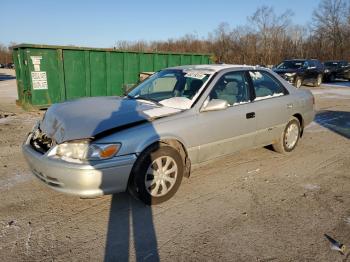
101, 23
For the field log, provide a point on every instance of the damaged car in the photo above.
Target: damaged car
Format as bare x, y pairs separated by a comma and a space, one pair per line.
147, 141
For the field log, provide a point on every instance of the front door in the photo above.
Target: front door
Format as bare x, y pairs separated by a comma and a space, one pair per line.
225, 131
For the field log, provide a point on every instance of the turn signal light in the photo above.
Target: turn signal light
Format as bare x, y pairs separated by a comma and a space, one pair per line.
109, 151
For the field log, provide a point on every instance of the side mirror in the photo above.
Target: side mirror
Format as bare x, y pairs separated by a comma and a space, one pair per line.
214, 105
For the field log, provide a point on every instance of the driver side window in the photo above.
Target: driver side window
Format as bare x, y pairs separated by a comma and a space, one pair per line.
232, 87
162, 84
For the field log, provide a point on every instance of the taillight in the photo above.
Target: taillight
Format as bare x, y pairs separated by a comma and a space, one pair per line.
313, 99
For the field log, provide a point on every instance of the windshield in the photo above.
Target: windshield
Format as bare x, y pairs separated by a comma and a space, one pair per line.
291, 65
174, 88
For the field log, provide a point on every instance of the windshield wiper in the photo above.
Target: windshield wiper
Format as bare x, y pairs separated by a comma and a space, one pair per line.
144, 98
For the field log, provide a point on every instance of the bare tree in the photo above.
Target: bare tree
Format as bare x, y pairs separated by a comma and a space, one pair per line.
330, 22
271, 30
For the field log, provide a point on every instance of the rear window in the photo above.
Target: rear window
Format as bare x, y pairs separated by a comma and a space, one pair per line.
265, 85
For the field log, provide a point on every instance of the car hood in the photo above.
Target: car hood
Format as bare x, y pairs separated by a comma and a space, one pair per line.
91, 117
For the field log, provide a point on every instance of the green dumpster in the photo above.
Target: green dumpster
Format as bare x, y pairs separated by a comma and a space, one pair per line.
51, 74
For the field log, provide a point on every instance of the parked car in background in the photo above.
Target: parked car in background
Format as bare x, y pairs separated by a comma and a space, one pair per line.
301, 71
336, 69
10, 66
179, 117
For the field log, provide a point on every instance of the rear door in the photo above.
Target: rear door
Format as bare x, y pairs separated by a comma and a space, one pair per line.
311, 71
272, 105
345, 66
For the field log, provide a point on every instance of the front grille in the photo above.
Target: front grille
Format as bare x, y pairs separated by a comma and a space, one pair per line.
40, 141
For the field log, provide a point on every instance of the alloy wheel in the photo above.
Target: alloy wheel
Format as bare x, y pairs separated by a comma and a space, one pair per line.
291, 136
161, 176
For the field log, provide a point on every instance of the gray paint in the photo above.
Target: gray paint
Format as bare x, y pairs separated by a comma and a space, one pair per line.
205, 135
87, 117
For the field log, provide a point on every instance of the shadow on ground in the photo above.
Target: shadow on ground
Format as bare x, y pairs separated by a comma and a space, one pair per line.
336, 121
4, 77
338, 82
130, 225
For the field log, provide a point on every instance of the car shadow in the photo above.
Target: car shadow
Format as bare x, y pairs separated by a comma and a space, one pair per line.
130, 226
4, 77
336, 121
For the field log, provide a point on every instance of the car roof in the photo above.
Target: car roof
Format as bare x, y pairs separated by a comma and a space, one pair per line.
301, 59
296, 59
214, 67
335, 61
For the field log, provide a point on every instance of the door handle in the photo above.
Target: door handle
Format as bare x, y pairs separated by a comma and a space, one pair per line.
250, 115
289, 105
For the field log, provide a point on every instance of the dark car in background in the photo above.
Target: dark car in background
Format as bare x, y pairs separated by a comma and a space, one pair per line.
336, 69
10, 66
301, 71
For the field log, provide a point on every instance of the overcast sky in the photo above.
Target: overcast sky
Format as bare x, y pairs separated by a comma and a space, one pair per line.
99, 23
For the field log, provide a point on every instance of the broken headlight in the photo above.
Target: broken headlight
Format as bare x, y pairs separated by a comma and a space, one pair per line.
86, 151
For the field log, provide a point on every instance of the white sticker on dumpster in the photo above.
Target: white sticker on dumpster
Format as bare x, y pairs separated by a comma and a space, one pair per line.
36, 59
39, 80
36, 62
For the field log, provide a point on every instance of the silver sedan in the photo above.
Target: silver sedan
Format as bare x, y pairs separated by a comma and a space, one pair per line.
179, 117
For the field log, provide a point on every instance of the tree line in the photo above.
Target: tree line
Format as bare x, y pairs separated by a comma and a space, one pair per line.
5, 54
265, 39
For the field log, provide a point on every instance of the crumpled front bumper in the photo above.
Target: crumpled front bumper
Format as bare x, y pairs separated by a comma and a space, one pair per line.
81, 179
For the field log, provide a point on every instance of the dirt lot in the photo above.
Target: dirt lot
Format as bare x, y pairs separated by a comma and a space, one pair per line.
253, 206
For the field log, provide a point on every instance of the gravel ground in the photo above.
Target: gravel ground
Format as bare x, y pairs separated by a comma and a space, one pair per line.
256, 205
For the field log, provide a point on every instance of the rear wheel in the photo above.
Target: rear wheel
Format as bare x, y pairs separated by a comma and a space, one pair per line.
157, 174
289, 137
318, 81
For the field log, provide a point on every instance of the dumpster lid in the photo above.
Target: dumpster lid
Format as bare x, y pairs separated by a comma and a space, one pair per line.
41, 46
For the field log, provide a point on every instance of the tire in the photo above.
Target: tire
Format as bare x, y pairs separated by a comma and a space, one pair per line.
282, 146
160, 186
318, 81
332, 78
298, 82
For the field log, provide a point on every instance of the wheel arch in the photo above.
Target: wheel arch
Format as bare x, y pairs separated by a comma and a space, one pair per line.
301, 122
174, 142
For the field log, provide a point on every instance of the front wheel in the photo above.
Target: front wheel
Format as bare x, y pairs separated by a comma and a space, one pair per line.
289, 137
157, 174
298, 82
